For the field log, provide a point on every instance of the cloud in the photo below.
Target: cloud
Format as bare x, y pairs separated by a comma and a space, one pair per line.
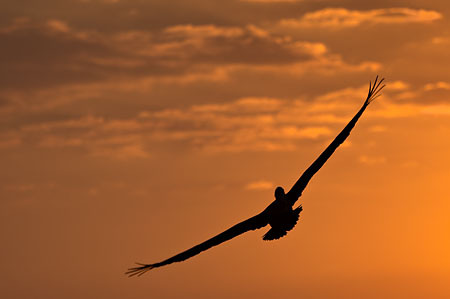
259, 185
29, 187
64, 55
440, 40
337, 18
123, 152
246, 124
440, 109
389, 109
129, 95
9, 140
437, 85
243, 45
58, 26
398, 85
57, 55
325, 66
378, 129
372, 160
70, 71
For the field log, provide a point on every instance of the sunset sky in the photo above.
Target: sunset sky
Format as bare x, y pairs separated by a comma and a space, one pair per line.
131, 130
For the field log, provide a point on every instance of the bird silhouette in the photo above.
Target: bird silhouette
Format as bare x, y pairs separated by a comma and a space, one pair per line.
280, 214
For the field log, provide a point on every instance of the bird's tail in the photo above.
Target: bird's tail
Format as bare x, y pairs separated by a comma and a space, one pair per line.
138, 271
374, 90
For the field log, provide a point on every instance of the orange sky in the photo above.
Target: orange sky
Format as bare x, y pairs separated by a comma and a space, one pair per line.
132, 130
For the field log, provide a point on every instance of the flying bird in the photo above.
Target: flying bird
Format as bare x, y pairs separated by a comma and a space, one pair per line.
280, 214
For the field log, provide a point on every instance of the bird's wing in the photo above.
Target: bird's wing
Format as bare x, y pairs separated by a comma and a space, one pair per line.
252, 223
300, 185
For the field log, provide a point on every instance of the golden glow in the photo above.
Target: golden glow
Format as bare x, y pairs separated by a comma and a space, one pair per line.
131, 130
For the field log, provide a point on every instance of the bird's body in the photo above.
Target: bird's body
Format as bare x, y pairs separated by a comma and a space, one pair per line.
279, 210
280, 214
282, 219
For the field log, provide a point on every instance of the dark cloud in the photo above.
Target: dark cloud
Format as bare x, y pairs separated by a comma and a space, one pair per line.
60, 54
75, 70
230, 45
42, 55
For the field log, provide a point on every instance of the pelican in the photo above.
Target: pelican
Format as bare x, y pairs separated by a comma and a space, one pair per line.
280, 214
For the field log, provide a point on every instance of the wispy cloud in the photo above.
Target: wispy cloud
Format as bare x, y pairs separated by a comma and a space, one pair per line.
439, 109
378, 129
372, 160
246, 124
398, 85
58, 26
9, 140
63, 54
122, 152
336, 18
249, 45
437, 85
259, 185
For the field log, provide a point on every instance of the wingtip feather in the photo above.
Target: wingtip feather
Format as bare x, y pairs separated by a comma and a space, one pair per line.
138, 271
374, 90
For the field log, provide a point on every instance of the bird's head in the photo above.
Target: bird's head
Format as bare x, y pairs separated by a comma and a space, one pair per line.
279, 193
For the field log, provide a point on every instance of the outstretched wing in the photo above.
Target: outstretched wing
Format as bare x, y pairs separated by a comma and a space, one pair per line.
252, 223
300, 185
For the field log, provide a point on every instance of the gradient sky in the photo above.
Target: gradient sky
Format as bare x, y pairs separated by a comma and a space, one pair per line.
132, 130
